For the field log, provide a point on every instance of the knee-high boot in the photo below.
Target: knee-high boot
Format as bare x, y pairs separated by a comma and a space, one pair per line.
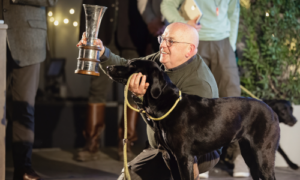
132, 118
94, 126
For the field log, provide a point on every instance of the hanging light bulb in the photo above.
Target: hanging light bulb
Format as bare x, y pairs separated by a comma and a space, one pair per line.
75, 24
52, 19
50, 13
56, 23
72, 11
66, 21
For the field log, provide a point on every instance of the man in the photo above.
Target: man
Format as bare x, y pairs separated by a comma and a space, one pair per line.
219, 28
186, 69
26, 38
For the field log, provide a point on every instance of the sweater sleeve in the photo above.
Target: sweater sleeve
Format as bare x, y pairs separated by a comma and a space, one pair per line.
169, 9
109, 58
233, 16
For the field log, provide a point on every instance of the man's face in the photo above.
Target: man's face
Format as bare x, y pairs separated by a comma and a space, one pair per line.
171, 55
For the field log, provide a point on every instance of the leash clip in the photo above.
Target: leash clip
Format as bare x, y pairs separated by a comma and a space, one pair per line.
125, 141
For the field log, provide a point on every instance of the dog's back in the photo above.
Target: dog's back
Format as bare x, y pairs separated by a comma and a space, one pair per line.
208, 124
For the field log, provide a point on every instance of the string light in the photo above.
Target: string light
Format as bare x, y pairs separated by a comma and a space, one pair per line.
72, 11
56, 23
50, 13
66, 21
51, 19
75, 24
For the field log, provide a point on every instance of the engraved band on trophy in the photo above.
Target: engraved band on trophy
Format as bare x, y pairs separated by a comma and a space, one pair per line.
89, 55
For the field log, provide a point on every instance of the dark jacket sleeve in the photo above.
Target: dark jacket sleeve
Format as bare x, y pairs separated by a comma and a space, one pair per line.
45, 3
109, 58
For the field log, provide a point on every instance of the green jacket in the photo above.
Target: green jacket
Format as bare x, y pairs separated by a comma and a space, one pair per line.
193, 77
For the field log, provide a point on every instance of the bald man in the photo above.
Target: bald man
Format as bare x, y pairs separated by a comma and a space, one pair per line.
179, 59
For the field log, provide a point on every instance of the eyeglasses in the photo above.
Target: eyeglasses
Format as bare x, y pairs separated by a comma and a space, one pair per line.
168, 41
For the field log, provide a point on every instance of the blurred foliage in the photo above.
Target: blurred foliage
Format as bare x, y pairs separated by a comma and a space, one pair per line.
269, 36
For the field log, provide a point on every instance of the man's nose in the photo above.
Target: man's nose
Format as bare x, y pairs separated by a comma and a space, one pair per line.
163, 43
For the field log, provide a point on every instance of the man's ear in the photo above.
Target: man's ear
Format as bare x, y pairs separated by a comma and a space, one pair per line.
191, 50
158, 83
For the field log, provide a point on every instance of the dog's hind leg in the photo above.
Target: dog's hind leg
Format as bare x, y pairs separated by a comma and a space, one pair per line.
260, 161
260, 158
185, 165
173, 165
249, 157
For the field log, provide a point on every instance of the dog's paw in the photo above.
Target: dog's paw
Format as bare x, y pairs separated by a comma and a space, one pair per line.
294, 166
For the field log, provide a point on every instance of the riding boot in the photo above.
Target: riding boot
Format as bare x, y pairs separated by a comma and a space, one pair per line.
93, 129
132, 118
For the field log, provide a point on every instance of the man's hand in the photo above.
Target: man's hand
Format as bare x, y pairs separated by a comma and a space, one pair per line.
193, 22
156, 27
137, 85
97, 42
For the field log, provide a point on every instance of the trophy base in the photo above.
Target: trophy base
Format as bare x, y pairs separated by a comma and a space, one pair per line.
84, 72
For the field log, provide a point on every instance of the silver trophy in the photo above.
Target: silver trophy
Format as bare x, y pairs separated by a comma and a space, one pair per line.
89, 54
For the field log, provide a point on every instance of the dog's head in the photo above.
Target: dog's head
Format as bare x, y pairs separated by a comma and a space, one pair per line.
284, 110
155, 75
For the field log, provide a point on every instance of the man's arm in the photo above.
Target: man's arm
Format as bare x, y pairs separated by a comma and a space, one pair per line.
144, 7
45, 3
109, 58
169, 9
137, 84
233, 16
153, 21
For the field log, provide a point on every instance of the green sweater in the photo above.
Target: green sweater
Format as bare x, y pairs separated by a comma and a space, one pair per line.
192, 77
214, 28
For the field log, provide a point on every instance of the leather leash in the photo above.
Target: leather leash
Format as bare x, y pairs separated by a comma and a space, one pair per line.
249, 93
125, 140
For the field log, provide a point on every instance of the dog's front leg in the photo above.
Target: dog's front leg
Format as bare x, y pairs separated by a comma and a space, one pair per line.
186, 165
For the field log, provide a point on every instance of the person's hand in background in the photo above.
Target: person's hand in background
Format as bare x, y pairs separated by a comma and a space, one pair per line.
156, 27
193, 22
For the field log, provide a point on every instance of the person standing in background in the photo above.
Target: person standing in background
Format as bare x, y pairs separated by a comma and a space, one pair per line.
156, 24
26, 39
217, 43
122, 29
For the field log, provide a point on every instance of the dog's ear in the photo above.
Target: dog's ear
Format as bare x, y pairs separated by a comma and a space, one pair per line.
158, 83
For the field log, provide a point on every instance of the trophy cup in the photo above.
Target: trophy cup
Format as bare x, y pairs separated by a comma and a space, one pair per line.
89, 55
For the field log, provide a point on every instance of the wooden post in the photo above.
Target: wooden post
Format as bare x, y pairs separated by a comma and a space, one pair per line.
3, 28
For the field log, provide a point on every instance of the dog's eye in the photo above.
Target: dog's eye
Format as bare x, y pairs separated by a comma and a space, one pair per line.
131, 66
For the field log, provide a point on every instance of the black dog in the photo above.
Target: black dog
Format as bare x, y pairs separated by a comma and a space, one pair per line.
284, 110
199, 125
